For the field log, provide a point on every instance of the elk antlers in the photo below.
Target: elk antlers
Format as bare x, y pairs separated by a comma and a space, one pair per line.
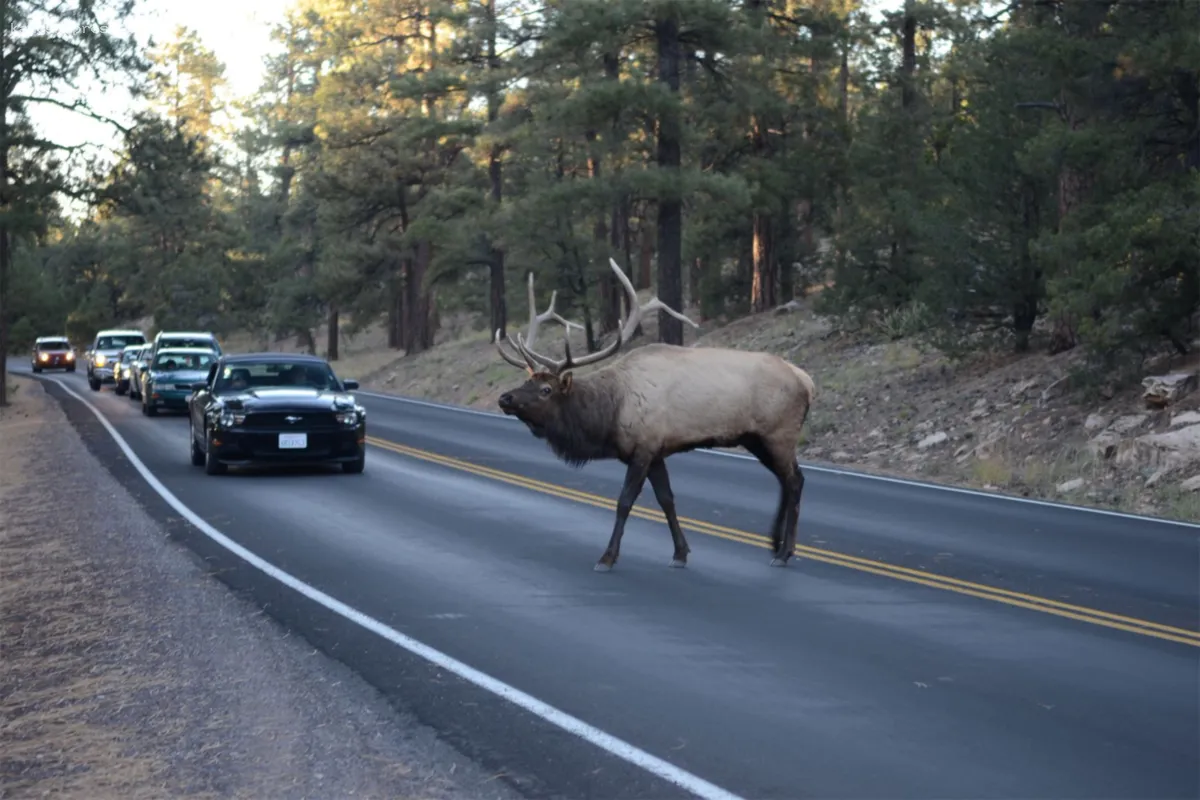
557, 366
535, 320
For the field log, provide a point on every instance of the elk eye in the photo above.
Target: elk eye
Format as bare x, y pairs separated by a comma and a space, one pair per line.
545, 390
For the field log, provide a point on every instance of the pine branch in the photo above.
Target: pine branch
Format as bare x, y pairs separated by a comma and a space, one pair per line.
78, 107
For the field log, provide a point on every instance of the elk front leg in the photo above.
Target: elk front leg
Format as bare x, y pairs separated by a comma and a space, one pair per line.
635, 478
666, 499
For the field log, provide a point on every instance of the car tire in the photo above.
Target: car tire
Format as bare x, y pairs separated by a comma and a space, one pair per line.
37, 370
94, 383
71, 368
149, 410
118, 390
355, 467
212, 466
198, 457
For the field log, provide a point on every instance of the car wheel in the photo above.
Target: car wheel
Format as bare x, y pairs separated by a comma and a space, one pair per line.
94, 383
119, 389
355, 467
149, 410
212, 466
37, 369
71, 368
198, 458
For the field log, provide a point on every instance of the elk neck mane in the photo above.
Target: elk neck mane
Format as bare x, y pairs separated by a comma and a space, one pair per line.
584, 429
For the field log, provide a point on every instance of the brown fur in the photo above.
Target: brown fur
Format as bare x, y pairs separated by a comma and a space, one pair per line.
663, 399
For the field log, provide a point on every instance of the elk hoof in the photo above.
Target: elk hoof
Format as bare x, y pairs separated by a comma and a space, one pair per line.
678, 563
602, 567
778, 562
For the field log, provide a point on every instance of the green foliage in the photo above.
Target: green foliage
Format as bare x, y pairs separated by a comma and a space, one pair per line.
972, 180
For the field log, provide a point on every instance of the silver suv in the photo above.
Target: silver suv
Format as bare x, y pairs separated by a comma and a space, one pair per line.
105, 351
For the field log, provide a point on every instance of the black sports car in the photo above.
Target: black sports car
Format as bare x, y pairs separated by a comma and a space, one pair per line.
275, 408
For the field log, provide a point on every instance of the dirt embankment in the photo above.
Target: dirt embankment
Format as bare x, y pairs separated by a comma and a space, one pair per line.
129, 673
1021, 425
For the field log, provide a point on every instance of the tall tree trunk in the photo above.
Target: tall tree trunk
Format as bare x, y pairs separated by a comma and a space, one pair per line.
762, 282
395, 313
610, 291
764, 279
646, 235
5, 208
606, 281
670, 206
908, 98
420, 332
498, 304
331, 335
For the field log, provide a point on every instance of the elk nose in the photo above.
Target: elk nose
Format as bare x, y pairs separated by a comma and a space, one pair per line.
506, 400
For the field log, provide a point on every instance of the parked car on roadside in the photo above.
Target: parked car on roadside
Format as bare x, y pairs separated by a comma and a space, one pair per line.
52, 352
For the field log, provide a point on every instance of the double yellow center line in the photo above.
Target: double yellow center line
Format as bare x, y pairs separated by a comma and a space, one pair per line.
1018, 599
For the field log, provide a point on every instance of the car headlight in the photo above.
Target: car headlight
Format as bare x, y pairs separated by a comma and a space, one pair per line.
70, 356
228, 419
347, 418
43, 356
101, 360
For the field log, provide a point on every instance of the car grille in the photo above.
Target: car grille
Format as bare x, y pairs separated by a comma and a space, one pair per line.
275, 420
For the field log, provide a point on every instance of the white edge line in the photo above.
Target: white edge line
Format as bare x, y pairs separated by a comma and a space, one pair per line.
844, 472
592, 735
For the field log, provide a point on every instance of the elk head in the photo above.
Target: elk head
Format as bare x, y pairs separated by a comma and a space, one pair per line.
550, 381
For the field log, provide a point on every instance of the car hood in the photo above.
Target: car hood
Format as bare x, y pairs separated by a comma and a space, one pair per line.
188, 376
287, 397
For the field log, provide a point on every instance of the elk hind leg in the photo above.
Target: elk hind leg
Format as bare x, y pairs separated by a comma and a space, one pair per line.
759, 450
793, 487
666, 499
635, 478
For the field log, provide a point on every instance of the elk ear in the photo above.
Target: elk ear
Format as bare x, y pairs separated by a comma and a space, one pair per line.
565, 381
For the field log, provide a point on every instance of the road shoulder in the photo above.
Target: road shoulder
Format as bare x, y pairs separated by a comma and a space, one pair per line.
130, 672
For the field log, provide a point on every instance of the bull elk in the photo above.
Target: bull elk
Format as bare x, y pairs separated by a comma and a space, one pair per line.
660, 400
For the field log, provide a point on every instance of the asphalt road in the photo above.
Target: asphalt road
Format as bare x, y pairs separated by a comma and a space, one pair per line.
925, 643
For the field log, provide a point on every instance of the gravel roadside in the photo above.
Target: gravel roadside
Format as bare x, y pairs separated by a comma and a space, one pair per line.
130, 673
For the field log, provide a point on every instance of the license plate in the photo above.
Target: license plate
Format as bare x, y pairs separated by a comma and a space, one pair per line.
293, 441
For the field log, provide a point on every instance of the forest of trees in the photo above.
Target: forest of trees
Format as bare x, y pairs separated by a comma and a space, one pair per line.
1021, 174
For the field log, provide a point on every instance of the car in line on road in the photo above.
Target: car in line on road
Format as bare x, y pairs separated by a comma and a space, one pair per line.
52, 352
205, 339
167, 383
106, 348
136, 369
125, 368
275, 408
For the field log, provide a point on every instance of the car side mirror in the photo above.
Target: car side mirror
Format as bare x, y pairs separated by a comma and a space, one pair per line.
198, 386
350, 385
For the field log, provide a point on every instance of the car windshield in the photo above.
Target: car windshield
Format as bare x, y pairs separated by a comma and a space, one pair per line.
118, 342
56, 344
243, 375
129, 355
167, 362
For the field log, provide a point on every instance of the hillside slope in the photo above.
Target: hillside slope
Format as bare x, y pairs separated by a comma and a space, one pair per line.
1000, 422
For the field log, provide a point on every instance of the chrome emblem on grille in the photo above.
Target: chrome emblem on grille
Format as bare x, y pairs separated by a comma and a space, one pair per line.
291, 418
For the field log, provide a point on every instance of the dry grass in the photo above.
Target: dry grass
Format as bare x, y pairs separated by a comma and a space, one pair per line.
59, 620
